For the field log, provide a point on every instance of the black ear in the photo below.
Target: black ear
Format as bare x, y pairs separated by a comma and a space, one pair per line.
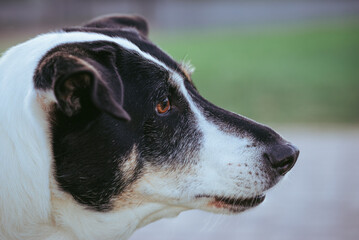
120, 21
81, 87
80, 84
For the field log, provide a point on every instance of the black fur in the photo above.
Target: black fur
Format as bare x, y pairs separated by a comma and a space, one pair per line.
83, 77
233, 123
137, 23
90, 146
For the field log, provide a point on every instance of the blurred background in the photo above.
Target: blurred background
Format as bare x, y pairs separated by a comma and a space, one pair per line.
291, 64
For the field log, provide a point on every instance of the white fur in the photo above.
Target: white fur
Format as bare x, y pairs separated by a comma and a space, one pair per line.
215, 175
31, 205
24, 149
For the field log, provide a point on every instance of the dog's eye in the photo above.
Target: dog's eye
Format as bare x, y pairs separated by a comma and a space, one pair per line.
163, 106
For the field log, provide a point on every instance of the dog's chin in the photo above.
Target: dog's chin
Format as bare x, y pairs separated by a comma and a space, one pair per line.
229, 205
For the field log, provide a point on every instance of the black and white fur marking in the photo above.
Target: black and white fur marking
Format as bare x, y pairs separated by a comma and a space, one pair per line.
85, 155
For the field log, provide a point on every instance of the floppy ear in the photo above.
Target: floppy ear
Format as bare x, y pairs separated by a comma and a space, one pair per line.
120, 21
78, 83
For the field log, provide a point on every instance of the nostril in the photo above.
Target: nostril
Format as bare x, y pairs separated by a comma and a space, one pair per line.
282, 157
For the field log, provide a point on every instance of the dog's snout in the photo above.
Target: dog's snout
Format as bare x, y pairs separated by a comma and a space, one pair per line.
282, 157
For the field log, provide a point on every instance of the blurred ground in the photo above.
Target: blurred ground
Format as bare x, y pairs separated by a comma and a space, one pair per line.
318, 200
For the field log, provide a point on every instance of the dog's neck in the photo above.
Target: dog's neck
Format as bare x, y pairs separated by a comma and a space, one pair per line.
119, 224
24, 148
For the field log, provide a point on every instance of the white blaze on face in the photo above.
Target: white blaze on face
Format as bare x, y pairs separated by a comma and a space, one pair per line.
226, 166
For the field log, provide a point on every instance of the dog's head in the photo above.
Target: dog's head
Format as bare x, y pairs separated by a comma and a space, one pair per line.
129, 128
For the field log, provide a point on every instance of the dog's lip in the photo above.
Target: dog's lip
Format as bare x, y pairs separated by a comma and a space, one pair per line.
233, 203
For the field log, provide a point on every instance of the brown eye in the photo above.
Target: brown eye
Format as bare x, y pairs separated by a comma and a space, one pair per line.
163, 106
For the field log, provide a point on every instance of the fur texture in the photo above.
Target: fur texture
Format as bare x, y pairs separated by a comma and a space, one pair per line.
84, 154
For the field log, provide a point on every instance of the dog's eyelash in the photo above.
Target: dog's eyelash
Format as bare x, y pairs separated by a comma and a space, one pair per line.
161, 94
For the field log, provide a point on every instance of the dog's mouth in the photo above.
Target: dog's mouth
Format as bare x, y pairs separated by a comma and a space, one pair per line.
233, 204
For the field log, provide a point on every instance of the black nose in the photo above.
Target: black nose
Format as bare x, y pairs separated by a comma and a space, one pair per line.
282, 157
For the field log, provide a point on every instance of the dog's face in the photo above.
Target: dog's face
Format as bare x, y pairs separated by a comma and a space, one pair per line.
129, 127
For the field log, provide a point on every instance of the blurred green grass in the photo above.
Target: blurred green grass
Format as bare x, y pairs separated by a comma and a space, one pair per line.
307, 74
302, 74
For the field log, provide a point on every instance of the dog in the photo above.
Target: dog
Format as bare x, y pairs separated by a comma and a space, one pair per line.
102, 133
